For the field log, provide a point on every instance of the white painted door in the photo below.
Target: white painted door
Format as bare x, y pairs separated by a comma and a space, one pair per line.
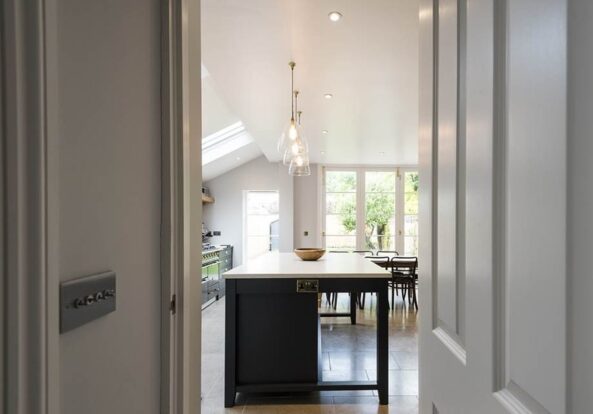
492, 206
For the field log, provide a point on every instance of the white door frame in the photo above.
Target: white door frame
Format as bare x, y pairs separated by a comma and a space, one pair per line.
182, 207
31, 321
29, 367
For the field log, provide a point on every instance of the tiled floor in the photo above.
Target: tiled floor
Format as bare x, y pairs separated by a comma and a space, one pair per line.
348, 354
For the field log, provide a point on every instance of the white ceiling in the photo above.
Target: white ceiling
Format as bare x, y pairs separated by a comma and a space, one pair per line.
368, 61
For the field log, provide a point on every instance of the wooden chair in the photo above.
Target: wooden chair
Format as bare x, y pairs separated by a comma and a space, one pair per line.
403, 272
387, 253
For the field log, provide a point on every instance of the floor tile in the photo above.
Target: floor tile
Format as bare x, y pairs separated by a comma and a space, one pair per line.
348, 353
366, 405
335, 375
401, 382
356, 360
405, 360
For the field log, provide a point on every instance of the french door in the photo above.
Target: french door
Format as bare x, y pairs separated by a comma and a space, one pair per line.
493, 178
370, 209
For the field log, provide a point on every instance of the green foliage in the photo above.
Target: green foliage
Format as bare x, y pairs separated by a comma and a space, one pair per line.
380, 206
380, 203
348, 215
340, 181
411, 182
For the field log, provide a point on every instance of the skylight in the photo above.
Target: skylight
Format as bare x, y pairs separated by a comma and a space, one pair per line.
224, 142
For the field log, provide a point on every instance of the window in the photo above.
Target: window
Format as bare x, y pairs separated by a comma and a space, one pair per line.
411, 213
260, 223
371, 209
340, 210
379, 212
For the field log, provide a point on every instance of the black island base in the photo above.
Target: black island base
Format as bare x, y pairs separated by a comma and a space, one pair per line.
273, 338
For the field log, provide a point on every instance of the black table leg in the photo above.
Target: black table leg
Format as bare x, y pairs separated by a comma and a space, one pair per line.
230, 344
382, 345
353, 308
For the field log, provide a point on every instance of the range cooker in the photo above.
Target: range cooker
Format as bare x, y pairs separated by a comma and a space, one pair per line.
215, 261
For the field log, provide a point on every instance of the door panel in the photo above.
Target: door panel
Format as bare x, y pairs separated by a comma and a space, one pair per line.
492, 156
447, 164
108, 200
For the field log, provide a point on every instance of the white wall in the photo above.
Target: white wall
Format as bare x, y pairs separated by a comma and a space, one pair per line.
286, 207
226, 214
109, 111
306, 209
299, 204
580, 206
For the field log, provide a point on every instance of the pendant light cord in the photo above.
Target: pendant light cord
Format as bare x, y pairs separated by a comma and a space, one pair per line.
296, 106
292, 65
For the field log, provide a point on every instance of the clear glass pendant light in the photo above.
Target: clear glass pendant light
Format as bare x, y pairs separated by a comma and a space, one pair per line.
292, 144
300, 145
299, 163
291, 132
299, 166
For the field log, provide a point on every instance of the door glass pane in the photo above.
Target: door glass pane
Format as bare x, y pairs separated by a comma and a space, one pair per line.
340, 181
411, 213
340, 210
380, 181
411, 225
347, 243
411, 246
261, 222
380, 210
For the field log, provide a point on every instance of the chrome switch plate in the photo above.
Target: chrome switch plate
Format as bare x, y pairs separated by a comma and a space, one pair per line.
85, 299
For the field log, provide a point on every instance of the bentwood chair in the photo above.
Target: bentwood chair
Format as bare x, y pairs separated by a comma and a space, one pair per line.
403, 273
387, 253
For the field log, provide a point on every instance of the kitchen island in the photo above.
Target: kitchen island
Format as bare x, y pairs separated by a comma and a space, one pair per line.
272, 323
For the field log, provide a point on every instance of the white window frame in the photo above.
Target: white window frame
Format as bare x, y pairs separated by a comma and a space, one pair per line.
361, 204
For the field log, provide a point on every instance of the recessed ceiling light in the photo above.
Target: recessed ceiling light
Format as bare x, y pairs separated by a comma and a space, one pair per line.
381, 153
335, 16
238, 158
328, 96
322, 152
324, 131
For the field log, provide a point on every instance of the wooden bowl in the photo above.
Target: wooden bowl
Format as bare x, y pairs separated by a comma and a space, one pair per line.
309, 253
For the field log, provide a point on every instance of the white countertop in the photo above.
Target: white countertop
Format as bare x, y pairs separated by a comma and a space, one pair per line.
287, 266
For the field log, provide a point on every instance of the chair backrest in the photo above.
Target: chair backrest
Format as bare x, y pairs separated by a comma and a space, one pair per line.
404, 263
383, 261
387, 252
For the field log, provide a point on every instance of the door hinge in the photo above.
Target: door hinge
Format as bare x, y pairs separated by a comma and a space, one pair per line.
173, 305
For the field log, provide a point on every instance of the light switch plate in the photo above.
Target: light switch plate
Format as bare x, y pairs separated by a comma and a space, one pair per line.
307, 286
85, 299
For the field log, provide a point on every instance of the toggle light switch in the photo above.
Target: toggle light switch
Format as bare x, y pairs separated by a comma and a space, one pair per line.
85, 299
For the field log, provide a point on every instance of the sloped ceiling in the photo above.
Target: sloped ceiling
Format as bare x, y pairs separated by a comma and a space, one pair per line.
368, 61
